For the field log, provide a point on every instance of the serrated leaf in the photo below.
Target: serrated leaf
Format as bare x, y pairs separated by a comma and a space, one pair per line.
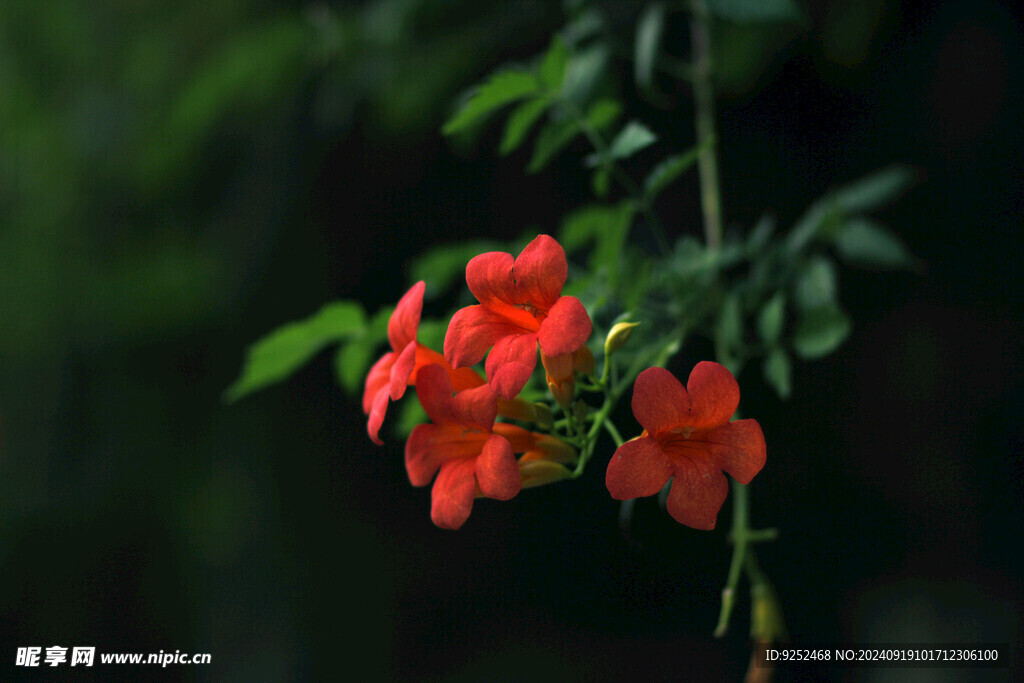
351, 363
667, 171
873, 191
604, 227
771, 319
755, 10
778, 372
649, 29
552, 67
286, 349
552, 139
818, 332
864, 242
519, 123
443, 266
503, 87
633, 137
816, 284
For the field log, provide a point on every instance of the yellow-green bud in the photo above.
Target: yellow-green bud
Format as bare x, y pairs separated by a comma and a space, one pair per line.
579, 410
618, 336
543, 416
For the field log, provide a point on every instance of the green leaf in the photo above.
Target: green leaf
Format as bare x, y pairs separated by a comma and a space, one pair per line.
816, 284
354, 357
778, 372
667, 171
601, 180
604, 227
410, 415
351, 363
431, 333
603, 113
755, 10
552, 67
504, 87
873, 191
631, 139
552, 139
771, 319
584, 72
443, 266
283, 351
864, 242
818, 332
649, 29
519, 123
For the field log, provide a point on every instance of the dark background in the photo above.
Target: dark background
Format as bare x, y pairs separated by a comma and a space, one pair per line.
177, 180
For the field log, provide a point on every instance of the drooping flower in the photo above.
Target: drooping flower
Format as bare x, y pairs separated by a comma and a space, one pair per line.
521, 304
470, 455
398, 368
687, 437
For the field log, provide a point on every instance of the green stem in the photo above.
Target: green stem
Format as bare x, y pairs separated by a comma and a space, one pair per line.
610, 427
740, 512
627, 183
704, 104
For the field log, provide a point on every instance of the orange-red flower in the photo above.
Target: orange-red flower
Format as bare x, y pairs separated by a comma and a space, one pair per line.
460, 447
687, 437
398, 368
521, 304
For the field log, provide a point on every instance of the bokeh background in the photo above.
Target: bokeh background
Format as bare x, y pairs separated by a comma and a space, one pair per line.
178, 179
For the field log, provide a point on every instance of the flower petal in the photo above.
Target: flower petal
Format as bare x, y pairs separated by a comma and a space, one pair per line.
540, 272
698, 491
379, 377
452, 495
434, 390
566, 328
638, 468
475, 407
489, 277
405, 320
496, 469
659, 401
737, 447
422, 455
401, 371
510, 364
377, 412
472, 331
714, 395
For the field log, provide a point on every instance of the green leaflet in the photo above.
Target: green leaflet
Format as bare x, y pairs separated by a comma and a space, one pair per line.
820, 331
503, 87
864, 242
283, 351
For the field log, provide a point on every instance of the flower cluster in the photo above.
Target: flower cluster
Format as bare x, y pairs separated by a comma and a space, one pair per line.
468, 453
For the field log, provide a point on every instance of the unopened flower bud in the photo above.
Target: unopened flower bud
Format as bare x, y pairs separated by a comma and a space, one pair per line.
563, 392
579, 410
538, 472
583, 360
543, 416
516, 409
618, 336
766, 624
